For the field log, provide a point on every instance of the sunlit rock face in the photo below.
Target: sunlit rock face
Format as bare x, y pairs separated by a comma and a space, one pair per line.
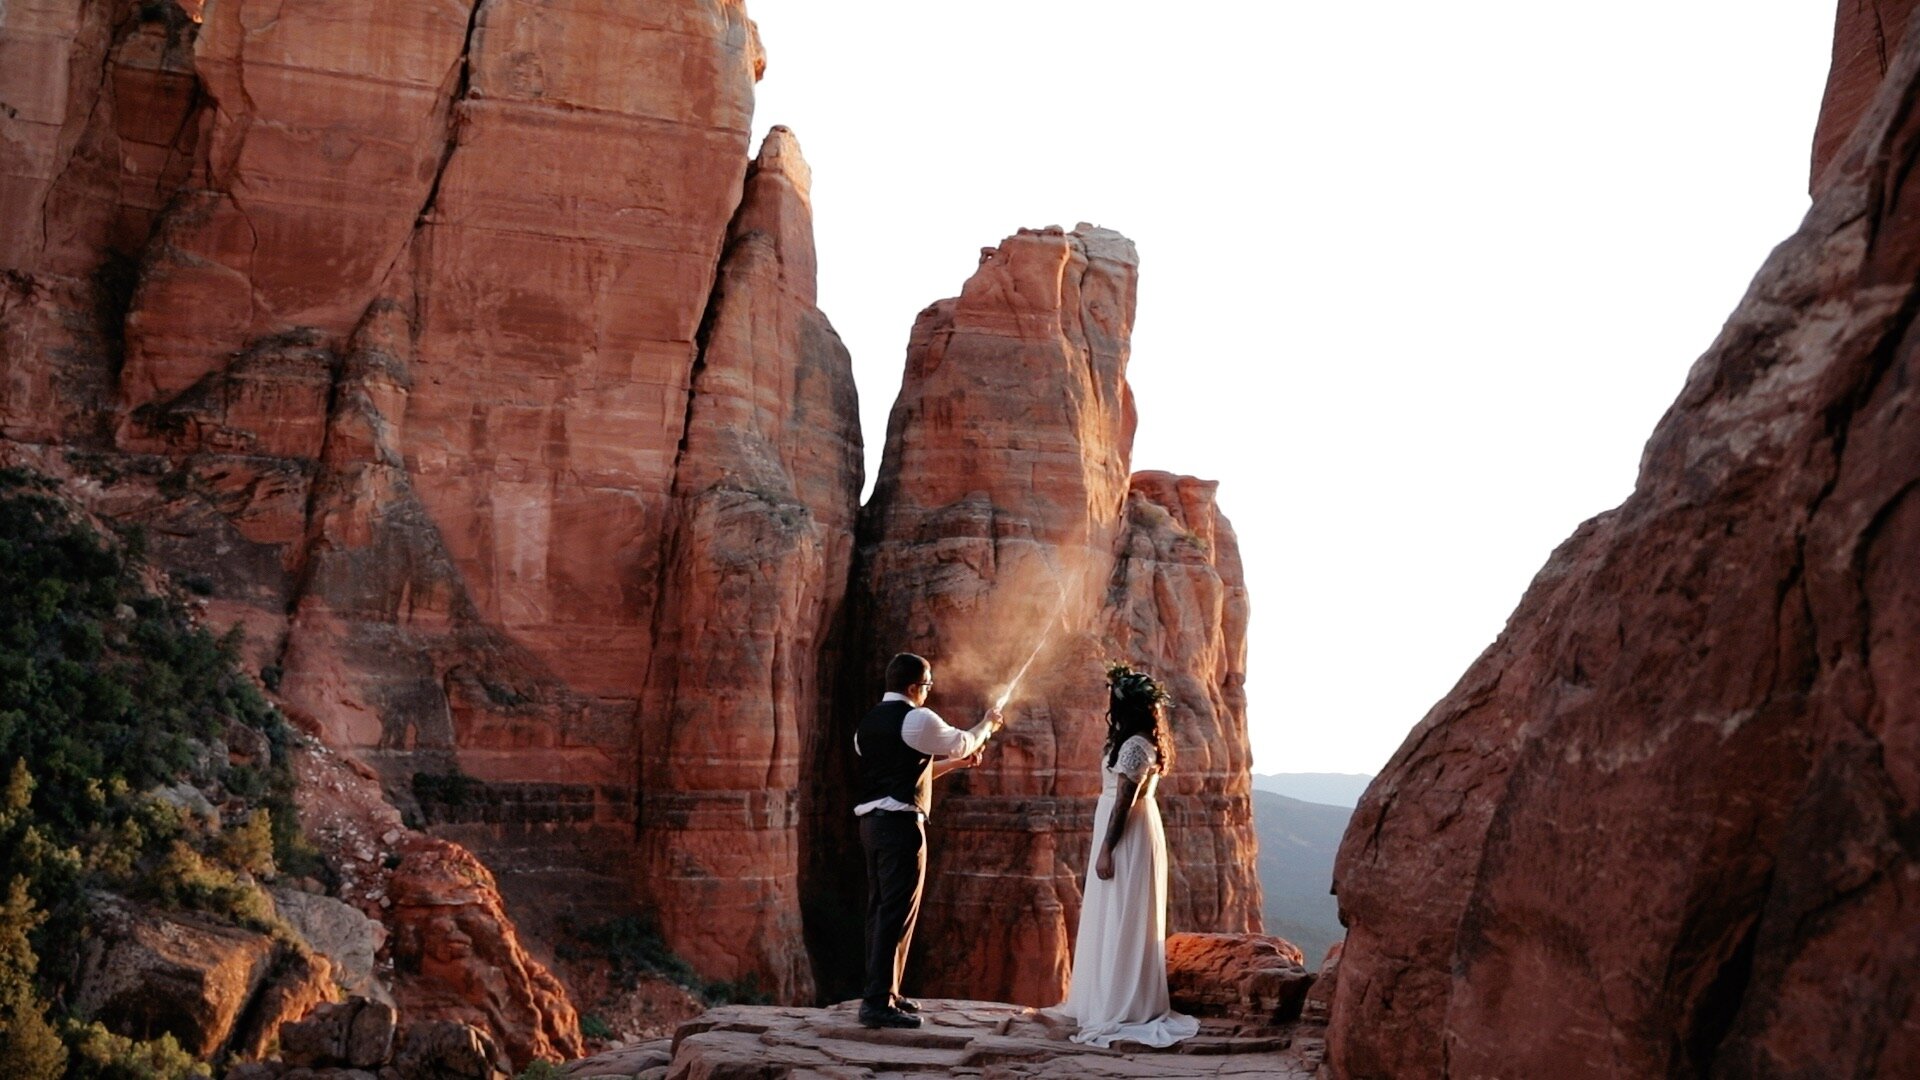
756, 567
381, 319
1663, 826
1005, 526
423, 296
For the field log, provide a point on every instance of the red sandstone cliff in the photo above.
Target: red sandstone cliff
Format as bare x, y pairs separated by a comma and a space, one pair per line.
1663, 826
1004, 520
1866, 35
763, 503
460, 353
377, 320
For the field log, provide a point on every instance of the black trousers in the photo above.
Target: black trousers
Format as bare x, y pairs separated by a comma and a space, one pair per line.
896, 848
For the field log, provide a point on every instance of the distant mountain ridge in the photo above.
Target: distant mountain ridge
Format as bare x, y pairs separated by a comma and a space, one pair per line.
1298, 842
1331, 789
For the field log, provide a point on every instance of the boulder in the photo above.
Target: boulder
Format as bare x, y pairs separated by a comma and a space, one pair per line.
299, 982
356, 1033
144, 973
349, 940
1662, 827
1254, 979
447, 1050
458, 958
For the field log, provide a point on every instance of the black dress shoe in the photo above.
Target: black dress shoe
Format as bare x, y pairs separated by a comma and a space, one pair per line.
886, 1016
906, 1005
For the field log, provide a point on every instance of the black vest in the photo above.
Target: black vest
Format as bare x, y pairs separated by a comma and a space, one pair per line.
888, 766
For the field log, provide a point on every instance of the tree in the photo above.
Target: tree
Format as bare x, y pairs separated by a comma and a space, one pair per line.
28, 1044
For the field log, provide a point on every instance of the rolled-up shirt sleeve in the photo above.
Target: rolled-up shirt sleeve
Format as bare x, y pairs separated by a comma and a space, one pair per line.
926, 732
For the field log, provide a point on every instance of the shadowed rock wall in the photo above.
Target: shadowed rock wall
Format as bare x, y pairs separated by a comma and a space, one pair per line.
1664, 826
456, 352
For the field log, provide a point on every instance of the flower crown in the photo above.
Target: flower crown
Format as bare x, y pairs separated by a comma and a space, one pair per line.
1126, 684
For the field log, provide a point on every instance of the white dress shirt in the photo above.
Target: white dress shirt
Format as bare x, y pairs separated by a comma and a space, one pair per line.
923, 730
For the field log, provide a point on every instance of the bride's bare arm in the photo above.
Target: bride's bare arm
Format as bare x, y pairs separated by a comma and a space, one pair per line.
1125, 792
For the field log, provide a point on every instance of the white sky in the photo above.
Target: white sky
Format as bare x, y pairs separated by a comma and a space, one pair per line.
1417, 278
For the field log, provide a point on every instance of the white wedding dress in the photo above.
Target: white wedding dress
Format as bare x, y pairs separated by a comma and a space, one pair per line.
1119, 988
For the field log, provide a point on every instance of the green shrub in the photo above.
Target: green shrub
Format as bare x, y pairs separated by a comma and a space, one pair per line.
632, 947
186, 879
594, 1027
249, 845
99, 1054
111, 693
741, 992
29, 1045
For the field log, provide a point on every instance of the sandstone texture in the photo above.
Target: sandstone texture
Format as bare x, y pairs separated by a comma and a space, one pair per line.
461, 358
756, 567
391, 337
1005, 525
1866, 35
464, 960
358, 1040
214, 987
444, 949
960, 1038
1256, 979
1663, 826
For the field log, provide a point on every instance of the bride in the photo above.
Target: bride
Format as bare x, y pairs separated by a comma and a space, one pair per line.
1119, 987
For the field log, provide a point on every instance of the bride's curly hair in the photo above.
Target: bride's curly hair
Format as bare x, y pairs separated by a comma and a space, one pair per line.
1136, 705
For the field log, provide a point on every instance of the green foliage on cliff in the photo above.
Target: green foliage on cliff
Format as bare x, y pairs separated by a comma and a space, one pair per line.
115, 710
632, 949
28, 1043
99, 1054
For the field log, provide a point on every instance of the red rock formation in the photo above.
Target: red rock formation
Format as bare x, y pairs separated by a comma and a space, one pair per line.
389, 336
460, 959
763, 504
1255, 979
451, 952
215, 988
82, 174
1865, 36
469, 366
1003, 523
1657, 829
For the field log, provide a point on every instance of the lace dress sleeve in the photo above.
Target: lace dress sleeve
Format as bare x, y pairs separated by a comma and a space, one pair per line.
1135, 759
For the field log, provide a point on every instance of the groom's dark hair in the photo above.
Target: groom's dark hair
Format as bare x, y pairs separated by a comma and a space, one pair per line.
904, 670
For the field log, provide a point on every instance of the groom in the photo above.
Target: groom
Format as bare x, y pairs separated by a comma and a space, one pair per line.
898, 744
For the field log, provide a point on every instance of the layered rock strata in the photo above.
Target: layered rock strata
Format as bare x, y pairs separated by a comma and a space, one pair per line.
756, 566
466, 364
446, 949
1005, 526
1866, 36
1663, 826
216, 988
387, 337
